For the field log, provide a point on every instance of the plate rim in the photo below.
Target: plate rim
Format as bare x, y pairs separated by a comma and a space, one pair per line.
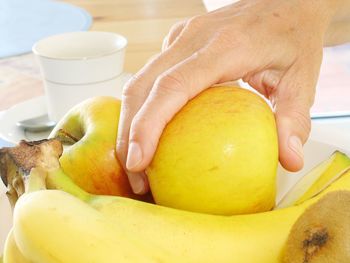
6, 115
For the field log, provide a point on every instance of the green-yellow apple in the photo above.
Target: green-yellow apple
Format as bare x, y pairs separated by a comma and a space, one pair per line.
90, 129
218, 155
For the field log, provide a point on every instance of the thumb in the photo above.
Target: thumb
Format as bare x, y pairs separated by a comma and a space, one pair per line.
293, 125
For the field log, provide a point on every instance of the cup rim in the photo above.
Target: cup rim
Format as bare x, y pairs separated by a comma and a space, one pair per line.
36, 45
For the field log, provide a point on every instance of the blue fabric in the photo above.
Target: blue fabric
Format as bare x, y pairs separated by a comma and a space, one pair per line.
24, 22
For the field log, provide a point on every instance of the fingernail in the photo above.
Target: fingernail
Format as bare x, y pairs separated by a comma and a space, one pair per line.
296, 146
134, 156
137, 182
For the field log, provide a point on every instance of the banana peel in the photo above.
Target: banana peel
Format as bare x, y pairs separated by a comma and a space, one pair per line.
11, 252
140, 232
17, 162
143, 232
315, 181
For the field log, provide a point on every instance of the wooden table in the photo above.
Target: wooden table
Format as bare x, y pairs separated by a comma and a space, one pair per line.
143, 22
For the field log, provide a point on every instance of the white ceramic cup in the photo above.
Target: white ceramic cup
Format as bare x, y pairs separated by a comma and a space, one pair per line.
80, 65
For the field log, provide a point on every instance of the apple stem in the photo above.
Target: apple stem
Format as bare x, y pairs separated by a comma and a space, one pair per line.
65, 137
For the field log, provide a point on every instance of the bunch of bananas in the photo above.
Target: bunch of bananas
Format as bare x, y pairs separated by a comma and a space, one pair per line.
56, 221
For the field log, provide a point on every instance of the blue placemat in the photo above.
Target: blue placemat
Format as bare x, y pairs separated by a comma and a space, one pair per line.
24, 22
4, 143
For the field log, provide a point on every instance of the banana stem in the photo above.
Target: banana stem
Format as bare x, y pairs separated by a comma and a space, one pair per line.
36, 180
57, 179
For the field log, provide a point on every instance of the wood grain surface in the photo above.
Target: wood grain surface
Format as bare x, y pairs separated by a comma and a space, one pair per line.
144, 23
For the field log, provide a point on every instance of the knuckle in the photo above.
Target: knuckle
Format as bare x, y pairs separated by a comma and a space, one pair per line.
173, 34
310, 100
138, 124
172, 83
166, 43
228, 39
141, 122
177, 27
136, 128
196, 22
303, 121
142, 125
121, 149
132, 87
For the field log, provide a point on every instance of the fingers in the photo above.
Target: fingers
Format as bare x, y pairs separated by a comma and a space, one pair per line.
170, 93
265, 82
131, 102
134, 95
208, 49
138, 88
293, 125
293, 102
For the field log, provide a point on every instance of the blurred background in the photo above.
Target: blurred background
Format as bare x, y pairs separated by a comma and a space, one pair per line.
144, 23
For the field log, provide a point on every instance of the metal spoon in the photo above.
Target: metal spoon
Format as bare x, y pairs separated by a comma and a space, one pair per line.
37, 124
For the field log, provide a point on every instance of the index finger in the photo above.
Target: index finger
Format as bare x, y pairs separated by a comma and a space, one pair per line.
134, 95
170, 93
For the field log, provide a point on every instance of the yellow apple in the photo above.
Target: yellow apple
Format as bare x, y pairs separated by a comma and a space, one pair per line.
218, 155
90, 130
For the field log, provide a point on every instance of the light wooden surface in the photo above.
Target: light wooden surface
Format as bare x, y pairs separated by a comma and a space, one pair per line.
143, 22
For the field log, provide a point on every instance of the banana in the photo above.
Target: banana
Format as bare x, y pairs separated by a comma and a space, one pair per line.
11, 251
315, 181
52, 226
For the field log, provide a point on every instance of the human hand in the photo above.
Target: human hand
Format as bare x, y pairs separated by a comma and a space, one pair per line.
274, 45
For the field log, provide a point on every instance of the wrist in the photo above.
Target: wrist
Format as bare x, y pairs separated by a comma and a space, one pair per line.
340, 10
321, 12
338, 29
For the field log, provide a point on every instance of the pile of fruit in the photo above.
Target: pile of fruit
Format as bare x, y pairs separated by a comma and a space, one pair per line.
212, 200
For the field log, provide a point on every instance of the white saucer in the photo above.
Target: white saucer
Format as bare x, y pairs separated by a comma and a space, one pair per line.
24, 110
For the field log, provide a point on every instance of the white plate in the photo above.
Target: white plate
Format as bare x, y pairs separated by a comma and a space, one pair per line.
37, 106
25, 110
